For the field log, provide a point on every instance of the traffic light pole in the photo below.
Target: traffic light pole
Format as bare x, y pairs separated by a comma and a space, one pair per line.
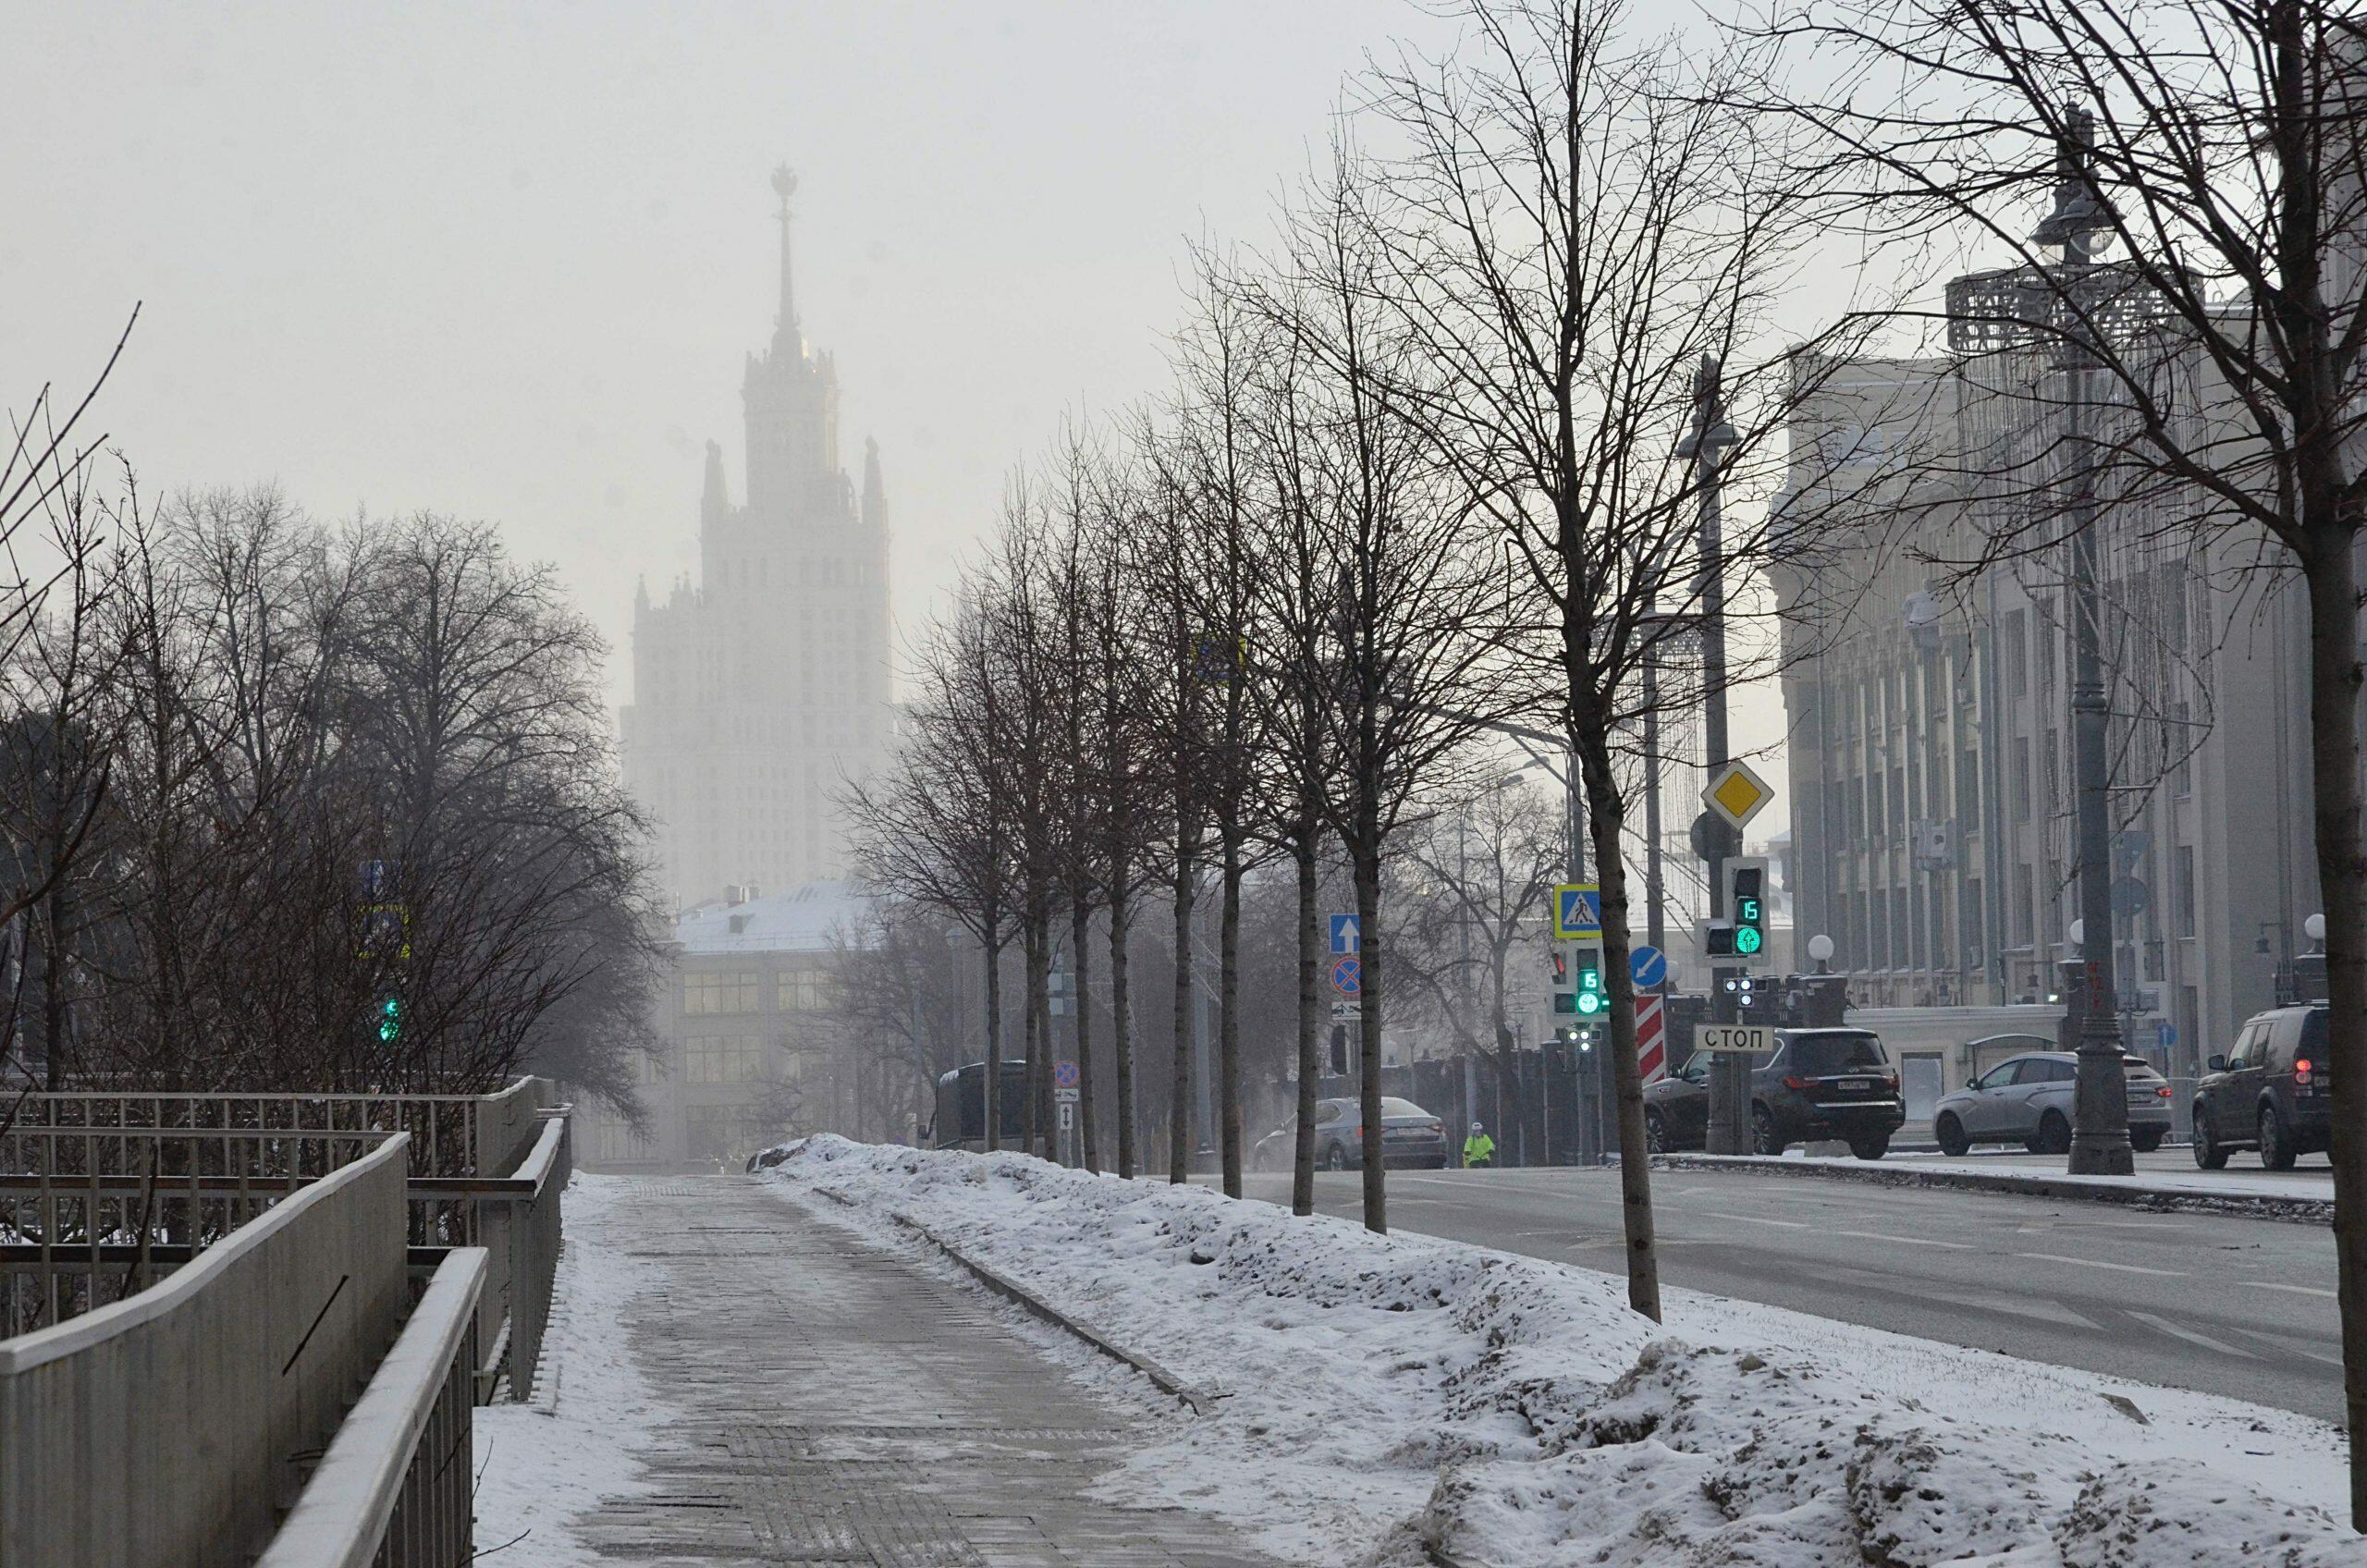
1729, 1073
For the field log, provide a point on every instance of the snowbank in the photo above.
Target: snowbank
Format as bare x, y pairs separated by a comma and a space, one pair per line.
1381, 1393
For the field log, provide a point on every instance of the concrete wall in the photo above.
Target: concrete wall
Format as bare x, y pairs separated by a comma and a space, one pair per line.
162, 1428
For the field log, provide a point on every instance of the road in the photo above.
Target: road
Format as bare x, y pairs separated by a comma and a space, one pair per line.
2216, 1303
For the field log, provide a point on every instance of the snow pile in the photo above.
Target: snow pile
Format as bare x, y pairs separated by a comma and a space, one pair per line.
1381, 1394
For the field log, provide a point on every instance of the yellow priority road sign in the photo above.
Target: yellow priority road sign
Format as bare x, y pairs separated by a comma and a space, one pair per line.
1736, 793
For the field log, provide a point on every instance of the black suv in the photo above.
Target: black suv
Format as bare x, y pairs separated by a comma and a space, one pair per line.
2270, 1093
1816, 1084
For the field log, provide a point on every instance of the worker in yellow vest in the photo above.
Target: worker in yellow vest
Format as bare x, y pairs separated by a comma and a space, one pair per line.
1478, 1150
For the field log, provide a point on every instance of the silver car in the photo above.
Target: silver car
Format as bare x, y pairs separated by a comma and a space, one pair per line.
2027, 1100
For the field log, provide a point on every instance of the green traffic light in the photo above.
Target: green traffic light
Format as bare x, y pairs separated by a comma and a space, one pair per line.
1589, 1001
1748, 939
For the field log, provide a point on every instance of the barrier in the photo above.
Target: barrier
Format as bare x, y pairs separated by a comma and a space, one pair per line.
171, 1427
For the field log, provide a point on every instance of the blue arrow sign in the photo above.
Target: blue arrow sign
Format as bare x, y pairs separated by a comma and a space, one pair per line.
1647, 966
1347, 935
2165, 1034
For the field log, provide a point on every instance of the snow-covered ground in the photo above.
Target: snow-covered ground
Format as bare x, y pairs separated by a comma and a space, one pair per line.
542, 1463
1381, 1393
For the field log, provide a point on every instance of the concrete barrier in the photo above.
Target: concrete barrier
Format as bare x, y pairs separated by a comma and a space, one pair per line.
171, 1428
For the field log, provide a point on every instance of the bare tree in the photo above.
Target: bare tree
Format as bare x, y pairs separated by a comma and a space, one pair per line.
1579, 226
2218, 149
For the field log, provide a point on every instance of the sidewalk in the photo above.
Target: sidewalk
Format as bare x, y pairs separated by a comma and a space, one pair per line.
836, 1405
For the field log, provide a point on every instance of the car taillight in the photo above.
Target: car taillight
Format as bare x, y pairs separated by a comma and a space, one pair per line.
2301, 1069
1890, 1081
1794, 1080
2163, 1092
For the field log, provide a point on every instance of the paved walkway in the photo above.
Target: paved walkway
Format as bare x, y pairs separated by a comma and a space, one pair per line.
843, 1407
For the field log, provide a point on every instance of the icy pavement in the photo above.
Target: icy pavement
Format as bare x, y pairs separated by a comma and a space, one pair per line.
731, 1379
1387, 1395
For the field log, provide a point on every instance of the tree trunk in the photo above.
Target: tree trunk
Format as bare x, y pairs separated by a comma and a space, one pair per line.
994, 1034
1179, 1115
1080, 931
1606, 816
2342, 885
1039, 995
1033, 1060
1121, 1033
1310, 1019
1367, 871
1229, 1013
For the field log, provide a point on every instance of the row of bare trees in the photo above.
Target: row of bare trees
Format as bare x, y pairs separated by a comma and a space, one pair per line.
299, 807
1424, 470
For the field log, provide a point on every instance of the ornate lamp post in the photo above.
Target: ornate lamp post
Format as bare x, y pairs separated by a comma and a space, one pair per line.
2009, 309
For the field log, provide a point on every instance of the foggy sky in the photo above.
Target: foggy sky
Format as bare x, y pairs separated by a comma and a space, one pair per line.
505, 262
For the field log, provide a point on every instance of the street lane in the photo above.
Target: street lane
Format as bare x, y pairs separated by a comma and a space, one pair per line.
2216, 1303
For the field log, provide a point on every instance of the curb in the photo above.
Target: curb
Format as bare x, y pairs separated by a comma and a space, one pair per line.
2310, 1211
1198, 1400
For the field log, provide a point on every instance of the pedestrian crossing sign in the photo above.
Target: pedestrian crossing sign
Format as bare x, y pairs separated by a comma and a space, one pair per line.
1577, 912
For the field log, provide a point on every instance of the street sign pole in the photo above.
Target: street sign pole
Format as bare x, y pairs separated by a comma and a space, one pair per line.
1711, 433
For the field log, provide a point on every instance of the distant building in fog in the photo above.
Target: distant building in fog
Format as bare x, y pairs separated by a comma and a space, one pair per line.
759, 688
745, 1031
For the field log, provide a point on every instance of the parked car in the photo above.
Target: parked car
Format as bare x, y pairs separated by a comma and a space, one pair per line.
2027, 1100
2270, 1093
1816, 1084
1409, 1136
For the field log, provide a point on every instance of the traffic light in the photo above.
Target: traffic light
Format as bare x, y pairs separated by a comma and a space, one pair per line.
390, 1018
1579, 988
1746, 909
1592, 1000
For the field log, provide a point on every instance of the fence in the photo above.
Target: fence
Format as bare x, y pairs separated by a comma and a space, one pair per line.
393, 1491
101, 1192
172, 1425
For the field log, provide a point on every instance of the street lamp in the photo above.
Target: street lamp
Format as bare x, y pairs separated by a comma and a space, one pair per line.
2014, 308
1821, 952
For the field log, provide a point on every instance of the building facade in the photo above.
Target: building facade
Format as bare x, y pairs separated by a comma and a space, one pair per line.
746, 1033
1930, 759
760, 690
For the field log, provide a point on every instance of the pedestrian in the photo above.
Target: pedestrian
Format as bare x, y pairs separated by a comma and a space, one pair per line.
1478, 1150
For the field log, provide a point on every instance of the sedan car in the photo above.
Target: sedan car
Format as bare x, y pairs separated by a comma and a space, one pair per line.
1409, 1136
1816, 1084
2027, 1100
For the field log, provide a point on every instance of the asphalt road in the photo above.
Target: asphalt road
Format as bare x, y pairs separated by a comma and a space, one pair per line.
2220, 1303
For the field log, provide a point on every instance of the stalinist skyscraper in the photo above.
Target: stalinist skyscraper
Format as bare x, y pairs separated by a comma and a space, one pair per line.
761, 687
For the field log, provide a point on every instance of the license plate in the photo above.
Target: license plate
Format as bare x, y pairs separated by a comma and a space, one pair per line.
1856, 1085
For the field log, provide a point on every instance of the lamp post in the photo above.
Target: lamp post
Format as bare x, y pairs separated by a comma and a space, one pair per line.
1729, 1128
1993, 310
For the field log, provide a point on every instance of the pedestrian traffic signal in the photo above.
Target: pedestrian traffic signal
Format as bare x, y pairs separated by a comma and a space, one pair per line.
1746, 907
1591, 996
390, 1018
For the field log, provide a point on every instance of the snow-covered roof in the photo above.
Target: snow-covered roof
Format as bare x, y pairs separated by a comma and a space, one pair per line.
801, 920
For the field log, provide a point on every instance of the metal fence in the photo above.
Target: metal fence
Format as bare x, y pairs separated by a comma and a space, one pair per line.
173, 1426
104, 1193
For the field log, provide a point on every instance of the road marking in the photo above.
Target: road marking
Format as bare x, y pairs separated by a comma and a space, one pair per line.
1748, 1218
2100, 1263
2297, 1290
2205, 1340
1907, 1240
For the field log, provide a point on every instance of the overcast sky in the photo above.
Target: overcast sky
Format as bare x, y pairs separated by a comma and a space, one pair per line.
505, 261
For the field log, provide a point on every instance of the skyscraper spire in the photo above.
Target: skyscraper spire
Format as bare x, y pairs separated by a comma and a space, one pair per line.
785, 329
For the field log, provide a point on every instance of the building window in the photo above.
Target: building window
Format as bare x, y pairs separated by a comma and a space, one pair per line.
2017, 654
2182, 748
804, 990
723, 1058
2185, 889
2024, 902
726, 1131
730, 991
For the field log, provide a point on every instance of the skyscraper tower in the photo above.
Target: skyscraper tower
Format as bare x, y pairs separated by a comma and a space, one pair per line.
760, 690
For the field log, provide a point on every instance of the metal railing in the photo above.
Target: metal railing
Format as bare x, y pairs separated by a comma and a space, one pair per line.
172, 1425
394, 1488
103, 1193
